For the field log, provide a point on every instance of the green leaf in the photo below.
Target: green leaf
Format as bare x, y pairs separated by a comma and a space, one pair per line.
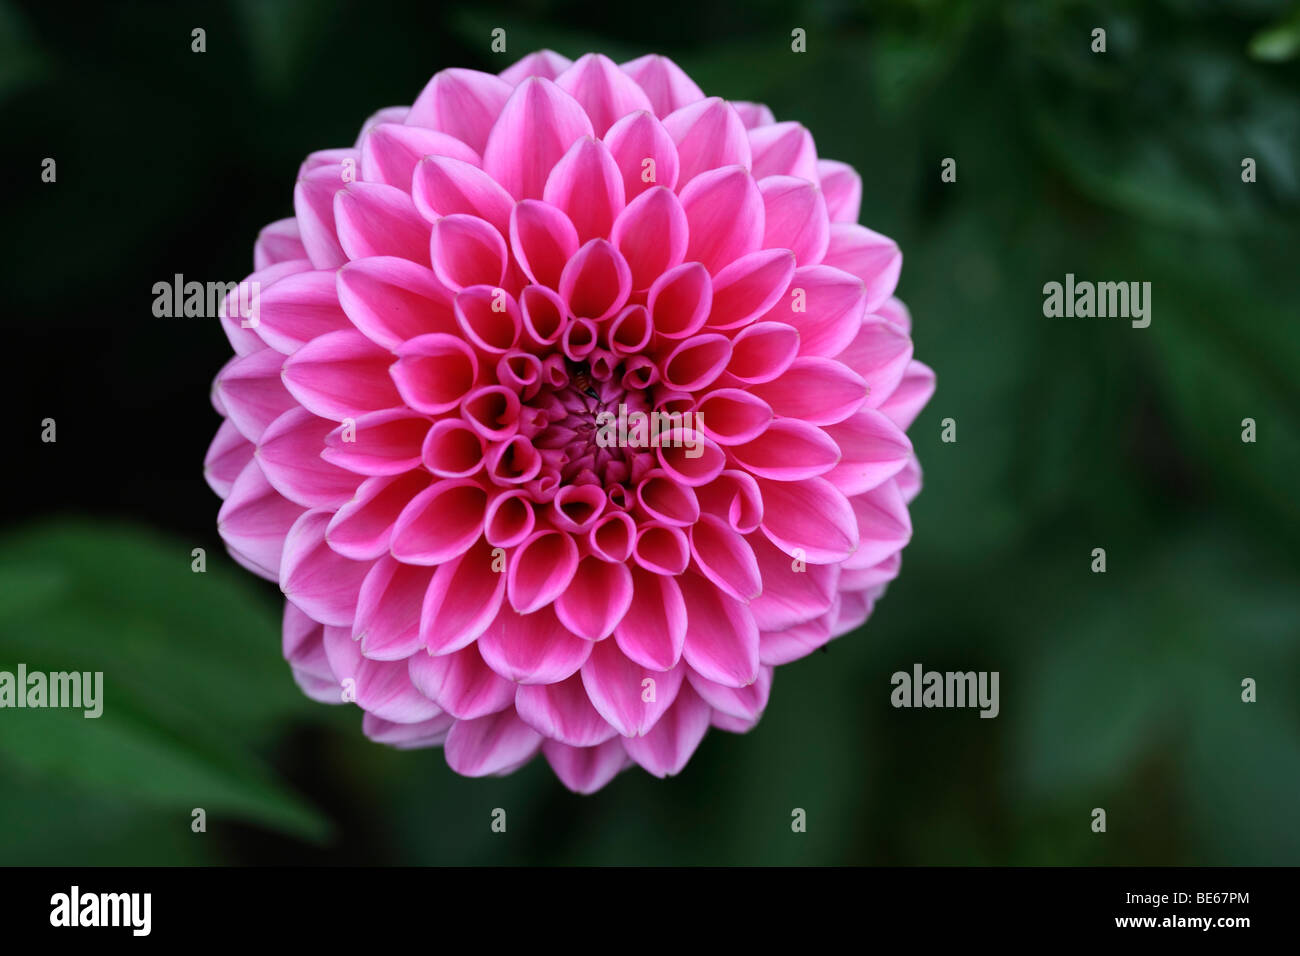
192, 678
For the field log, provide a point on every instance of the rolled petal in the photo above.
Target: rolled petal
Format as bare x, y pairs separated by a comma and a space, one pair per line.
362, 528
543, 241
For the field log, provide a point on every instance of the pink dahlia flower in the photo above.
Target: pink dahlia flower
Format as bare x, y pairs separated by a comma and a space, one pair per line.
573, 405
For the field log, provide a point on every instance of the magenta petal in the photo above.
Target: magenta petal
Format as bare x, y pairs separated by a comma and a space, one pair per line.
819, 391
749, 287
666, 747
796, 642
826, 305
535, 128
725, 558
883, 524
278, 242
563, 712
880, 352
533, 648
424, 733
379, 443
490, 745
467, 251
753, 115
709, 134
540, 569
313, 207
586, 769
788, 450
362, 528
440, 523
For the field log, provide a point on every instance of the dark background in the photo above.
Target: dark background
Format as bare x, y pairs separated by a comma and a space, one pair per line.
1119, 690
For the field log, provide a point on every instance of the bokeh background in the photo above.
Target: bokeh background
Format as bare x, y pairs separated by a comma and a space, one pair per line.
1119, 690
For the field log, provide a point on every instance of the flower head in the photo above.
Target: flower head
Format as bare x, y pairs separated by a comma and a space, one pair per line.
573, 404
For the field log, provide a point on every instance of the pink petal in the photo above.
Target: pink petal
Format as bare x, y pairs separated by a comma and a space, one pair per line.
906, 401
784, 149
665, 748
544, 63
790, 596
789, 450
884, 525
462, 600
587, 185
228, 455
829, 312
382, 687
709, 135
820, 391
254, 520
434, 373
874, 450
533, 648
278, 242
489, 745
664, 82
843, 188
873, 258
596, 281
383, 443
387, 625
297, 309
762, 351
794, 216
362, 528
325, 585
390, 151
651, 234
725, 211
809, 515
749, 287
440, 523
541, 569
585, 769
461, 683
880, 352
391, 300
543, 241
341, 375
378, 220
290, 454
563, 712
596, 599
632, 698
645, 153
653, 631
721, 638
605, 91
742, 703
424, 733
442, 186
466, 251
535, 128
313, 207
461, 103
725, 558
252, 393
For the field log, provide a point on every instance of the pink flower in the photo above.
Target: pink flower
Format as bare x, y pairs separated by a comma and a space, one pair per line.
414, 445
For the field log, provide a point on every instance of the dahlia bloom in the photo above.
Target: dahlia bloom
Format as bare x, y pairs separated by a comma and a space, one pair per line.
416, 445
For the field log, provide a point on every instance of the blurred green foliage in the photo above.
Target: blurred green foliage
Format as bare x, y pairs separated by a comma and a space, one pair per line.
1119, 690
